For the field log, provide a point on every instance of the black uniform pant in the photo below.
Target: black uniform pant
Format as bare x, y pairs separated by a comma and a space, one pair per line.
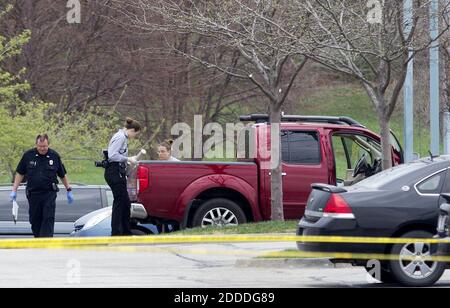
116, 179
42, 207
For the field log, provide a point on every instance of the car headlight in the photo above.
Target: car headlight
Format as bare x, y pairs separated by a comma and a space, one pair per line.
97, 219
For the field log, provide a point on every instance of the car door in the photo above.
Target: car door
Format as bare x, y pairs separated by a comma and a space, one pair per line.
87, 199
7, 226
433, 186
429, 190
302, 164
348, 148
397, 148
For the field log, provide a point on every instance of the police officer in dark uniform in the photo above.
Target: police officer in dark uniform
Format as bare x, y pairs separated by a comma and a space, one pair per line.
41, 165
115, 176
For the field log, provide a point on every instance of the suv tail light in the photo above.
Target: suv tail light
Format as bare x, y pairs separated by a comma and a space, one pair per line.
337, 207
143, 179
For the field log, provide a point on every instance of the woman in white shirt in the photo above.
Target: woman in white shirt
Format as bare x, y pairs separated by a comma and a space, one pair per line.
165, 151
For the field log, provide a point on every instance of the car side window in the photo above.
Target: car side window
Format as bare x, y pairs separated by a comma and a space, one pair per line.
432, 185
341, 158
356, 150
6, 206
349, 148
300, 148
109, 198
86, 200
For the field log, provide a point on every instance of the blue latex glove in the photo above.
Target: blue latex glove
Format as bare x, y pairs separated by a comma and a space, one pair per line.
13, 196
70, 197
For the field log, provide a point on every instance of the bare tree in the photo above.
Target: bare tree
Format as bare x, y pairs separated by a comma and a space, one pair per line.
100, 63
373, 45
266, 58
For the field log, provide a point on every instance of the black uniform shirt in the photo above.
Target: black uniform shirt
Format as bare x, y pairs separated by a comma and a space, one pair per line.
41, 170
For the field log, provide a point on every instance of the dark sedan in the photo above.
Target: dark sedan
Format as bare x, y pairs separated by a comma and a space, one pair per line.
402, 202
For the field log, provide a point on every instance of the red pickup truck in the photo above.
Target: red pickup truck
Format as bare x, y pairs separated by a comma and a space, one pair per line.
333, 150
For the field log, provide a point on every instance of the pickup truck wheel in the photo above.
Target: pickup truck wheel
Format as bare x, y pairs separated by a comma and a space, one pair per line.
219, 213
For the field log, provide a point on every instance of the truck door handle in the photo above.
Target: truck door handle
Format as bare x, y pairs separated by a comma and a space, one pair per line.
282, 174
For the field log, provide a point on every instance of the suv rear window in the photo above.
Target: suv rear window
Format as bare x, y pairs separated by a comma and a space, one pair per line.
300, 148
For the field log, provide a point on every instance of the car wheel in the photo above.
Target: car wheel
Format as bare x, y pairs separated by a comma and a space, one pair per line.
219, 213
416, 272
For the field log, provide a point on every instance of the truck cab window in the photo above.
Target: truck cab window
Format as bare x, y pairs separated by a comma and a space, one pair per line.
348, 151
300, 148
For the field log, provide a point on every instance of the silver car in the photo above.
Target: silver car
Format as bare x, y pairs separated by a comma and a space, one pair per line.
88, 198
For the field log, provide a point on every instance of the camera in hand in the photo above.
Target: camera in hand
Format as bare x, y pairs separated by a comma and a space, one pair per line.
104, 163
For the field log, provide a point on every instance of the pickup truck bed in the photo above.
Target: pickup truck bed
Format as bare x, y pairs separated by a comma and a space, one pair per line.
194, 181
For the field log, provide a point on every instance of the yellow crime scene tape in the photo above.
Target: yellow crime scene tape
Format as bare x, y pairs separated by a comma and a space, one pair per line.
190, 239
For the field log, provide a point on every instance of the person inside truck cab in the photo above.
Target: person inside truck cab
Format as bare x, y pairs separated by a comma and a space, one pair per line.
165, 151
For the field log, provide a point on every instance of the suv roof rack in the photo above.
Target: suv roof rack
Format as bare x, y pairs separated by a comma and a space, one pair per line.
264, 118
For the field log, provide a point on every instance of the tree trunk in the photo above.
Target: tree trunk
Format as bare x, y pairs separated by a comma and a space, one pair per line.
383, 120
445, 78
386, 147
276, 179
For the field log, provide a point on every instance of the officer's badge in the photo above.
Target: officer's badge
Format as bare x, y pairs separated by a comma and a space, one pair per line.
51, 162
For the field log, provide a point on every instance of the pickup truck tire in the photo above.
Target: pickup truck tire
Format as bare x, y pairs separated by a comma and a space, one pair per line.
219, 212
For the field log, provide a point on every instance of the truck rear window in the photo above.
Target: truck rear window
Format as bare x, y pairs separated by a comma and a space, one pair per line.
300, 148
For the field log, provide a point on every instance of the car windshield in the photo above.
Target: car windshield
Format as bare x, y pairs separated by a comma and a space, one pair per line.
388, 176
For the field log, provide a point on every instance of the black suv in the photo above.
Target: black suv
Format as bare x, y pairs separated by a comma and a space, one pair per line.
87, 199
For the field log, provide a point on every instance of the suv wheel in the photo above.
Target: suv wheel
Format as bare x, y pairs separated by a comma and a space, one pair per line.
219, 213
416, 272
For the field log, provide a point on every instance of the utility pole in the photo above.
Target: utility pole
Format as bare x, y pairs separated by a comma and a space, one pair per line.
434, 79
445, 70
408, 135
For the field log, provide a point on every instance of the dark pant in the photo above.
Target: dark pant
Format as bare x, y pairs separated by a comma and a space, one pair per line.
42, 207
116, 179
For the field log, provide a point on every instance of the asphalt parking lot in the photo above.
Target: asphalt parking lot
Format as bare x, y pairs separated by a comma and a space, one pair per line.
177, 266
